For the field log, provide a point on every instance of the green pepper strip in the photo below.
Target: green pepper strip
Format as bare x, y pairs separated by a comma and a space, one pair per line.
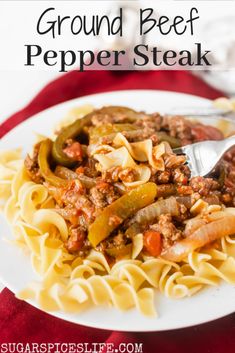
43, 161
114, 110
122, 208
106, 130
173, 141
69, 132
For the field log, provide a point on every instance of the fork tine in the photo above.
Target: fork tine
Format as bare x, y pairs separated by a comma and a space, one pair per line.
201, 157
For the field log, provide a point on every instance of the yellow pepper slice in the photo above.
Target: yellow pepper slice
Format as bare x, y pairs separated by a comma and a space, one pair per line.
120, 210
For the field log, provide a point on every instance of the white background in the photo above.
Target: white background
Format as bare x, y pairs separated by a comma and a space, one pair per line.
17, 26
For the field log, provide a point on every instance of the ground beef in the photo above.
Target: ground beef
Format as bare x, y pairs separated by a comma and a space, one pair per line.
230, 156
152, 122
147, 127
231, 177
184, 190
32, 167
103, 194
128, 175
98, 198
194, 197
184, 213
73, 150
115, 174
228, 178
227, 199
177, 174
87, 208
167, 229
181, 175
71, 193
203, 185
162, 177
76, 239
179, 127
90, 168
73, 196
213, 199
117, 242
111, 175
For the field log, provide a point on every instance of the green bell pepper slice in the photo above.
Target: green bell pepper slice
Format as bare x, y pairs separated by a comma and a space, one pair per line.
43, 160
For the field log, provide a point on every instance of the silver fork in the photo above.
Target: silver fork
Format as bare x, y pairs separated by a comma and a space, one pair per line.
199, 112
202, 157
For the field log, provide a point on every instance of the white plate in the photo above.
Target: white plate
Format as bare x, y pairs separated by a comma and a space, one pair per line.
15, 268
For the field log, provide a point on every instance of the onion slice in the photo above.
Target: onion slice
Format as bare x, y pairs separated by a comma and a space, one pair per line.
154, 210
202, 236
194, 224
68, 174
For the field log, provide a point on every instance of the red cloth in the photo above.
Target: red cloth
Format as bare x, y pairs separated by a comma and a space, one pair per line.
20, 322
77, 84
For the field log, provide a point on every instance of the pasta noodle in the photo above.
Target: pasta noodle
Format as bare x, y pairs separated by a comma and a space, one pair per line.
127, 279
9, 161
121, 157
143, 151
96, 290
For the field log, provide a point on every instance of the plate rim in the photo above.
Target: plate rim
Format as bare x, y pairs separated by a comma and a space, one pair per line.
88, 96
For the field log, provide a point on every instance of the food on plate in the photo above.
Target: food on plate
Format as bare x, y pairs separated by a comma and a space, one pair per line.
108, 211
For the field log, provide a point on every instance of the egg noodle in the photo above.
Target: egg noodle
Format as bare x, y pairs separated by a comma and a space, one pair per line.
72, 283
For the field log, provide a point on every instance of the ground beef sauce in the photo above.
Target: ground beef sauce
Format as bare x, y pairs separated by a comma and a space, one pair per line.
80, 203
32, 167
